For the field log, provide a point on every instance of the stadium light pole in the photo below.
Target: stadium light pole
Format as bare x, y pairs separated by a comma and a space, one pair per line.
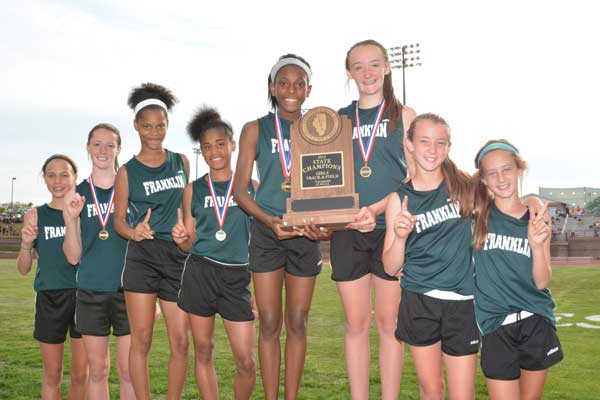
196, 151
12, 187
406, 56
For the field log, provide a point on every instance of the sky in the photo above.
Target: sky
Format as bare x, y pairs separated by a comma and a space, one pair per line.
526, 71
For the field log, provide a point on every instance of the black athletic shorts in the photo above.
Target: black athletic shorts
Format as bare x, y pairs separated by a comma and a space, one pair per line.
55, 315
355, 254
299, 256
208, 288
97, 312
530, 344
153, 266
424, 320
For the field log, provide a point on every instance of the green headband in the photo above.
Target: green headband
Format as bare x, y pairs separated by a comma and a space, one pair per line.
494, 146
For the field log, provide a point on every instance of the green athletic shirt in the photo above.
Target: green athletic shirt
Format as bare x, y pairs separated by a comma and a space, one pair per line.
269, 196
53, 269
158, 188
234, 249
387, 161
101, 261
503, 274
438, 251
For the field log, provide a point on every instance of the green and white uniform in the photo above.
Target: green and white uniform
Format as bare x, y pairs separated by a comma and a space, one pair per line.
216, 278
437, 297
155, 266
299, 256
158, 188
355, 254
101, 261
269, 196
233, 251
53, 269
503, 275
438, 250
54, 281
387, 161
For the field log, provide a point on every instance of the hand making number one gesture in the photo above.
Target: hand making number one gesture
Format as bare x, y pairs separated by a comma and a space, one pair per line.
179, 233
73, 205
404, 221
143, 231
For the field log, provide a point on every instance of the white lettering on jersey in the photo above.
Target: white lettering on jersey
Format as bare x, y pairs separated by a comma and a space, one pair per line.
51, 232
437, 216
91, 209
275, 146
507, 243
365, 130
159, 185
208, 201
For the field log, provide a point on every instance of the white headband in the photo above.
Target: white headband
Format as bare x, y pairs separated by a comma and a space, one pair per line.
287, 61
149, 102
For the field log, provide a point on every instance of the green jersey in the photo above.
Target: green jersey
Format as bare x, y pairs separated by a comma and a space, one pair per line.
387, 160
503, 274
438, 250
158, 188
233, 250
53, 269
101, 261
269, 196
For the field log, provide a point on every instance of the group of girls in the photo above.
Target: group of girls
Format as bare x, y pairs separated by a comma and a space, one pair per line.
474, 262
195, 248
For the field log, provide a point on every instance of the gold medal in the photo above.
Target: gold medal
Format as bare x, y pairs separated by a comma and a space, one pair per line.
286, 186
103, 235
366, 171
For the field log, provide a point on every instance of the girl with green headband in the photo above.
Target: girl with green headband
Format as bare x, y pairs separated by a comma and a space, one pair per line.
513, 306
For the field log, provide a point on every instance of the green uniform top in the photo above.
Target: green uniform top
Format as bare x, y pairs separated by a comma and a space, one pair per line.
158, 188
234, 249
53, 269
101, 262
269, 196
387, 161
438, 251
503, 274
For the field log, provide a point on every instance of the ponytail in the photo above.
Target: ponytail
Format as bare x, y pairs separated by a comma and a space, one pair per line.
459, 184
481, 211
394, 107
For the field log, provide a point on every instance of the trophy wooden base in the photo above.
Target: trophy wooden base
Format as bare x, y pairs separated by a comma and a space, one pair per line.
306, 211
333, 220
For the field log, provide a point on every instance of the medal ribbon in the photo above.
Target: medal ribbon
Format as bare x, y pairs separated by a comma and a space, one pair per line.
366, 153
102, 217
221, 212
285, 156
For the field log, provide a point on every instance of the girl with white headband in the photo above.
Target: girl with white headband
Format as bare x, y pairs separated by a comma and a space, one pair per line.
92, 244
513, 306
151, 185
277, 257
379, 122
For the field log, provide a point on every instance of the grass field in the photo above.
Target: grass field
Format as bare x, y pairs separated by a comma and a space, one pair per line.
576, 291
